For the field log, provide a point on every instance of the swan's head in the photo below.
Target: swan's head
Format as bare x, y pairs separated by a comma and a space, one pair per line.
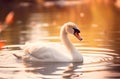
72, 28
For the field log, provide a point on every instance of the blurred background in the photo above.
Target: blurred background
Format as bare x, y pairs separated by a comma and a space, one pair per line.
24, 21
36, 20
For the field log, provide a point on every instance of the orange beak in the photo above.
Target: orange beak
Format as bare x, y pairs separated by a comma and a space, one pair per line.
78, 36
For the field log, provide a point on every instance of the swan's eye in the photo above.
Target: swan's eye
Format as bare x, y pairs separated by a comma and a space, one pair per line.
76, 30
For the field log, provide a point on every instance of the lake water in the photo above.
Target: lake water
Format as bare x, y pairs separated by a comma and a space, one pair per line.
98, 21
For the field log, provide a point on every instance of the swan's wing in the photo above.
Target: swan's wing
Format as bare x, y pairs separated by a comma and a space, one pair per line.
37, 52
47, 52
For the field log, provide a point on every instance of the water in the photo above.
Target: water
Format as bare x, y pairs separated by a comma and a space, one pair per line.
100, 29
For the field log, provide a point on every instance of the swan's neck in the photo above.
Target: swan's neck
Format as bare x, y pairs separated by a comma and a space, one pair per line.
65, 40
67, 43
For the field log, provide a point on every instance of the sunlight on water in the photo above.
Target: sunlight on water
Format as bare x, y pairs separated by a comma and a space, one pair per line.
34, 22
95, 59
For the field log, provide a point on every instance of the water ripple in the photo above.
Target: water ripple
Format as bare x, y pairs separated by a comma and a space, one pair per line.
95, 59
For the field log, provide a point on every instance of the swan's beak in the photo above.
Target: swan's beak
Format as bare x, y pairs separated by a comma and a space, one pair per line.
76, 34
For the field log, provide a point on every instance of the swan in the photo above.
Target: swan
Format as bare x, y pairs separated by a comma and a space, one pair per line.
55, 52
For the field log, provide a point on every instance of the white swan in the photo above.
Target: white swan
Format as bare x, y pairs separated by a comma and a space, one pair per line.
53, 52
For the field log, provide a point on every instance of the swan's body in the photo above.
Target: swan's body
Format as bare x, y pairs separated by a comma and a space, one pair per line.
54, 52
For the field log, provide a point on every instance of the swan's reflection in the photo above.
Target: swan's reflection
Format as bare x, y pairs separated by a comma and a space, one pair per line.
62, 70
69, 73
